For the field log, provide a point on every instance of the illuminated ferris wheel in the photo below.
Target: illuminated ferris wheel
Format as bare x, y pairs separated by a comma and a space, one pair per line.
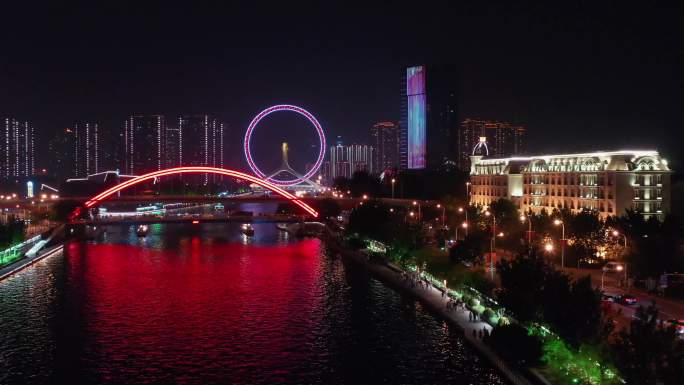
296, 177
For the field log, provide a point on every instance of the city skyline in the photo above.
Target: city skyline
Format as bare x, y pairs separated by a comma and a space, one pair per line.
293, 193
565, 87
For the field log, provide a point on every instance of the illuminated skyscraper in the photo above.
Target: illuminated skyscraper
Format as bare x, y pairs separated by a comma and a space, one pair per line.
18, 153
504, 139
201, 143
429, 124
386, 156
86, 149
144, 143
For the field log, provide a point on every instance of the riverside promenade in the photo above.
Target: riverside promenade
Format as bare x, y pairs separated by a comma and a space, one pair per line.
436, 301
22, 263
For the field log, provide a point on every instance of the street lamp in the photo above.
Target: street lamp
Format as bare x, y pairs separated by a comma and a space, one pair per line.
443, 212
460, 210
529, 230
617, 268
393, 181
415, 203
468, 192
617, 234
548, 247
560, 223
492, 243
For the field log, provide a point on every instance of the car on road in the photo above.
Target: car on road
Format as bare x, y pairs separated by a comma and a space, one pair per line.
613, 267
626, 299
607, 298
678, 325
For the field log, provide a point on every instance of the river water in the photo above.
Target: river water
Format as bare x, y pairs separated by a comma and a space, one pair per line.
203, 304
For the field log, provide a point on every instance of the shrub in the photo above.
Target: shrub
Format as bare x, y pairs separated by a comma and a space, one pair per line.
516, 345
488, 314
479, 309
356, 243
473, 302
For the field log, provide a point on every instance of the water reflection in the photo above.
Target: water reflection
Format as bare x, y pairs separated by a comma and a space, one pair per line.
200, 304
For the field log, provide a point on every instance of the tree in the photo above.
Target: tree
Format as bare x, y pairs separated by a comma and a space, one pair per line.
363, 183
327, 208
515, 344
468, 250
522, 280
12, 232
60, 211
535, 291
372, 219
649, 353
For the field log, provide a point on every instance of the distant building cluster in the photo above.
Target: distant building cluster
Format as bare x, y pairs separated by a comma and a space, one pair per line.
344, 160
502, 139
144, 143
18, 149
609, 183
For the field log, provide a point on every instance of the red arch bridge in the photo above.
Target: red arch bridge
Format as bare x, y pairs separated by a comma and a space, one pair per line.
99, 198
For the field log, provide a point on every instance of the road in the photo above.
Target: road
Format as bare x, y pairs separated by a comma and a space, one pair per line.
669, 308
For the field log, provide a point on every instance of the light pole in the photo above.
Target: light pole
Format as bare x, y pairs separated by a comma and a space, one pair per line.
618, 268
492, 243
465, 224
415, 203
439, 205
468, 192
393, 181
603, 273
618, 234
560, 223
529, 230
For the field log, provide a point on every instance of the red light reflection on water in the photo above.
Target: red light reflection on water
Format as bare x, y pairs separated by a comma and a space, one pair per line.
201, 312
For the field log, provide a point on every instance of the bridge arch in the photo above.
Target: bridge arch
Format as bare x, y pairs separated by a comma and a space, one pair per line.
94, 201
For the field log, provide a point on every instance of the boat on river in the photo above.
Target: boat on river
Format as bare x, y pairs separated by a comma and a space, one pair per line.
247, 229
142, 230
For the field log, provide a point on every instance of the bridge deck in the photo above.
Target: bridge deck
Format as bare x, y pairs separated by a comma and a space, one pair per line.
149, 219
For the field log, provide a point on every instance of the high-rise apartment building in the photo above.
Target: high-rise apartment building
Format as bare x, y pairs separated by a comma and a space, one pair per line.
201, 140
86, 149
18, 151
429, 123
503, 139
386, 155
345, 160
172, 153
144, 143
608, 183
62, 150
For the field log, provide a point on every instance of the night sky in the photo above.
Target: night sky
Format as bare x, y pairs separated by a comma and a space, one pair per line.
580, 76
